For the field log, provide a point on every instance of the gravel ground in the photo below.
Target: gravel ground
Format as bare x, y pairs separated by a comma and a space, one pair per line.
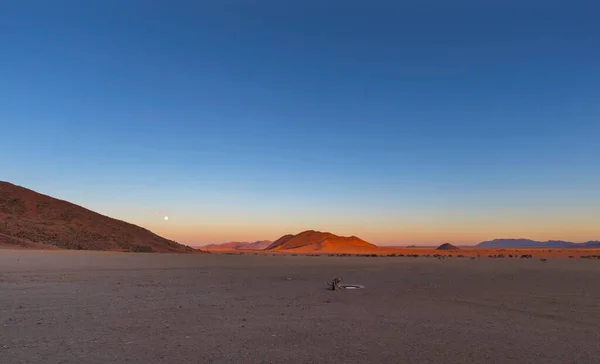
92, 307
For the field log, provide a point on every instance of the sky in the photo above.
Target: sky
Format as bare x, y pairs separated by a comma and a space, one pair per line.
401, 122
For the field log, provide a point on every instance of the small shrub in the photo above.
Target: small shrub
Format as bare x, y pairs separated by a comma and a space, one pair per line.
335, 284
137, 248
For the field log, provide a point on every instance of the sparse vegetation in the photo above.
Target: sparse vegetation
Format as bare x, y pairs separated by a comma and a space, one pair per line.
141, 249
335, 284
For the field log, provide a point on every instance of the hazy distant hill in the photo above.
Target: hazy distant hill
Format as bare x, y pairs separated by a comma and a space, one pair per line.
257, 245
447, 246
311, 240
527, 243
32, 220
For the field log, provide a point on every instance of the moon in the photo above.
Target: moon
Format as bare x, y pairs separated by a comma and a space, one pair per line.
166, 218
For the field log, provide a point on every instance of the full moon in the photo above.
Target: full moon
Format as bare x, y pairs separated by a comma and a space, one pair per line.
166, 218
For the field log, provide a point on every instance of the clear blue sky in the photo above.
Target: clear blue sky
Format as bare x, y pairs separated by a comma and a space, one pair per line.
398, 121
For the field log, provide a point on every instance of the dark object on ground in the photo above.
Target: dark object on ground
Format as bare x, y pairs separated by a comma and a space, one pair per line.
335, 284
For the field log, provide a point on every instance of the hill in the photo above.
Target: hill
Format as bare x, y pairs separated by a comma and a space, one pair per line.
447, 246
311, 241
527, 243
257, 245
31, 220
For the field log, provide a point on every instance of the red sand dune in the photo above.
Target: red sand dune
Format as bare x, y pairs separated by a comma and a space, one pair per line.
31, 220
316, 241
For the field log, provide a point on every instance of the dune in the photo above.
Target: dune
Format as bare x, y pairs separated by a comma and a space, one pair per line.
316, 241
447, 246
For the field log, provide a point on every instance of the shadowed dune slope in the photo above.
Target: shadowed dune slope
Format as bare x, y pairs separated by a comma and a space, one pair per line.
31, 220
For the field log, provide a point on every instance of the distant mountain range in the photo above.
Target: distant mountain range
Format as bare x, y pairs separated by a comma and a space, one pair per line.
316, 241
527, 243
239, 245
30, 220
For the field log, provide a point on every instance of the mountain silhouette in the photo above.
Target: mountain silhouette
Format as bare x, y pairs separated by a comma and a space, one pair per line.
31, 220
527, 243
257, 245
447, 246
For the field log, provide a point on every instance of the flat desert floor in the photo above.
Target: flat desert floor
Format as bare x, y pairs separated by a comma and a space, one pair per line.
91, 307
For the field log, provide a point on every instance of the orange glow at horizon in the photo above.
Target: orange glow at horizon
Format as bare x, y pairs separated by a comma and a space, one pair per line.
419, 234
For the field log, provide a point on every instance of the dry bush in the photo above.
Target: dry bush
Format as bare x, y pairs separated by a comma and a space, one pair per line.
335, 284
137, 248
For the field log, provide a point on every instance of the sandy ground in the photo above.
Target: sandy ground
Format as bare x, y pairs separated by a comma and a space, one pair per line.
89, 307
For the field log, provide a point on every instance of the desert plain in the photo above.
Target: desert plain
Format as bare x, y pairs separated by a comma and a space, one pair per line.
109, 307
